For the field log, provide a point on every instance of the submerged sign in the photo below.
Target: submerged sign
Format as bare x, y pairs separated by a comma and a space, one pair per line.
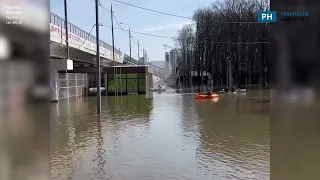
271, 16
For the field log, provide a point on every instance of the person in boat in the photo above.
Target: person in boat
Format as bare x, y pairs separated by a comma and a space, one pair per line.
209, 92
226, 89
233, 89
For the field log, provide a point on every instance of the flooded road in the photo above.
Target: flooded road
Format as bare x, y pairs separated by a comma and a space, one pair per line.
171, 136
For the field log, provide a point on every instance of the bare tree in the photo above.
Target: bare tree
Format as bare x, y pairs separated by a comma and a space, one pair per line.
223, 49
185, 41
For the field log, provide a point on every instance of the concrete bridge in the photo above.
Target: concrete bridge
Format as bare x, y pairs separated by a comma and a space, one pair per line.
83, 49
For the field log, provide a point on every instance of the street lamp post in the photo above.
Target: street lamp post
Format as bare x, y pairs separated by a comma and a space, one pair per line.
138, 47
144, 61
129, 39
138, 51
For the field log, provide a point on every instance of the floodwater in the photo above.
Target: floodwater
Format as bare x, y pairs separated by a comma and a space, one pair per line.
170, 136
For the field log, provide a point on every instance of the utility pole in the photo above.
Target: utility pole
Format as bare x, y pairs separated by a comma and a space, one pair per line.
138, 51
120, 76
98, 60
114, 61
130, 43
129, 38
144, 57
66, 27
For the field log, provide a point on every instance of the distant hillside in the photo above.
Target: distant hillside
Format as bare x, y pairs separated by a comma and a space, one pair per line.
158, 63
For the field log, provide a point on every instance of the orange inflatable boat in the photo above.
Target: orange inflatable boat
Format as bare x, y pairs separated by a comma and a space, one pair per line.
205, 96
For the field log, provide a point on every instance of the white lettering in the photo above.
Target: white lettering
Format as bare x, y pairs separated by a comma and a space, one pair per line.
13, 12
269, 16
8, 17
14, 7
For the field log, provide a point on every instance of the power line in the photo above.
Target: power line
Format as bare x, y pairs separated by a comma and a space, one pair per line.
114, 17
153, 35
103, 7
155, 11
140, 33
133, 40
185, 17
87, 36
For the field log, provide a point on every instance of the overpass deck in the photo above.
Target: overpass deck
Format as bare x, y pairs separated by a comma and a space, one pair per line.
83, 46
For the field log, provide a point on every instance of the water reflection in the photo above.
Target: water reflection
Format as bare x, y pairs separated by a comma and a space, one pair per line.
72, 131
235, 144
171, 136
100, 157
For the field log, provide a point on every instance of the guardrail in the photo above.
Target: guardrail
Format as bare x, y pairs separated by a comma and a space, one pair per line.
60, 22
127, 59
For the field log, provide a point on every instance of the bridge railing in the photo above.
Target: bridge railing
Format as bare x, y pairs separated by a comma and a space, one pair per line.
60, 22
133, 61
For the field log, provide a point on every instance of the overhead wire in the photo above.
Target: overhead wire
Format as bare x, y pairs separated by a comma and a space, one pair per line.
153, 35
114, 17
155, 11
120, 27
184, 17
87, 36
133, 40
166, 37
102, 7
139, 32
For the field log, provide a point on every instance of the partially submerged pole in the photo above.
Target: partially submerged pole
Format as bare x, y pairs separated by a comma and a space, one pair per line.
120, 77
98, 60
114, 61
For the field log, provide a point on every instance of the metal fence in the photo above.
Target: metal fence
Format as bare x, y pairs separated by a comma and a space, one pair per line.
58, 21
71, 84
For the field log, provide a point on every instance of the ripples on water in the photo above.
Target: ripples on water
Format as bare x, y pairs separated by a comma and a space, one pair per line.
168, 137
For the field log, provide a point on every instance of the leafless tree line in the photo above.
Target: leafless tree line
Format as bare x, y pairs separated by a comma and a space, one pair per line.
225, 41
